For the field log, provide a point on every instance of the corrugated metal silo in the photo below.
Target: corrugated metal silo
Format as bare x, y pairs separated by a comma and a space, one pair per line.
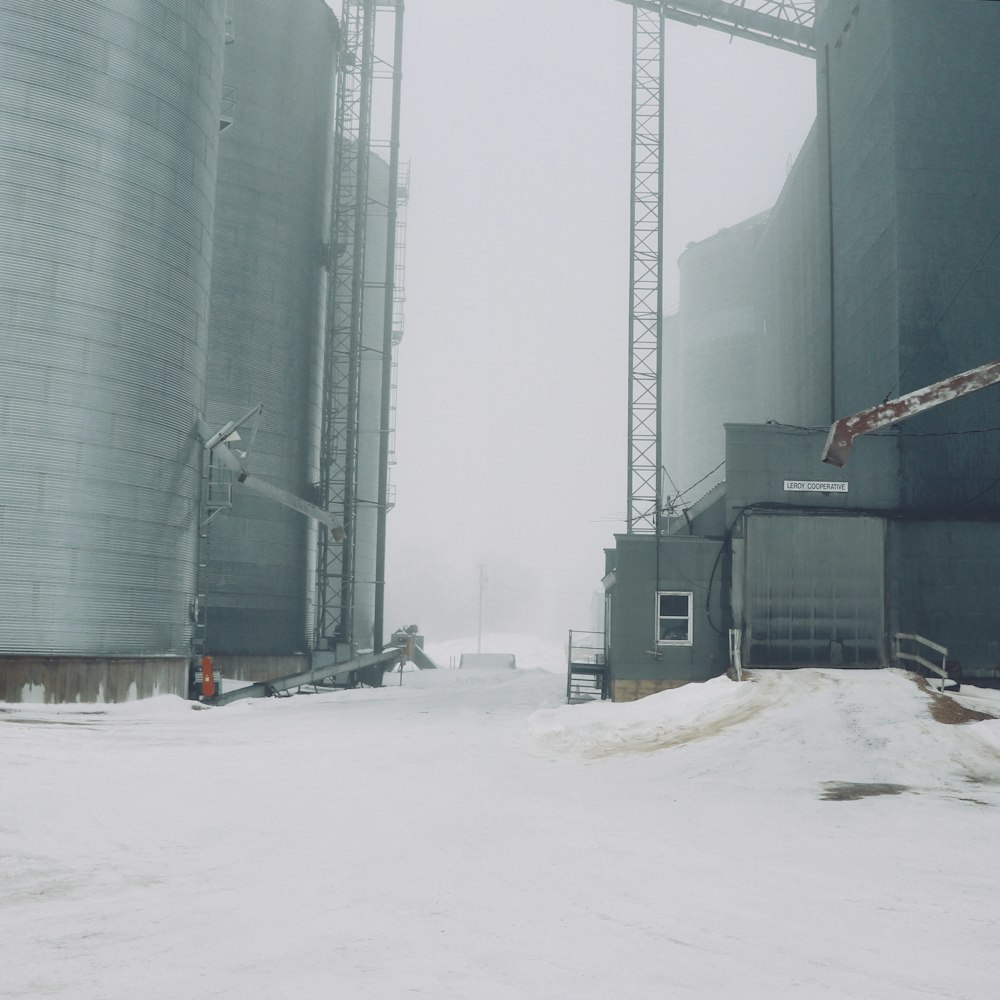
267, 317
108, 145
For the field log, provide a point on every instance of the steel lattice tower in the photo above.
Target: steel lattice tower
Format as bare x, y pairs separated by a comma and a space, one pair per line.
782, 24
645, 319
356, 65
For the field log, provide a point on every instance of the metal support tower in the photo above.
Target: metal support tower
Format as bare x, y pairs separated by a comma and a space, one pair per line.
783, 24
341, 363
388, 335
356, 66
645, 319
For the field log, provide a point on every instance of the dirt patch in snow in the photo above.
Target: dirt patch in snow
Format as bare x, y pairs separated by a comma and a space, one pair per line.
849, 791
51, 722
947, 710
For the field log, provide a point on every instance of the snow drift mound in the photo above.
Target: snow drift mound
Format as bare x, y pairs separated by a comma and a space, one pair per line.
598, 729
799, 727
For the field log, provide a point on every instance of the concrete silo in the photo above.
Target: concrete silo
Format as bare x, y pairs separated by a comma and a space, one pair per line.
267, 322
108, 152
718, 360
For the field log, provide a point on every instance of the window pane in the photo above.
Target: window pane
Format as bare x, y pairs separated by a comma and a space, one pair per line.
674, 604
673, 629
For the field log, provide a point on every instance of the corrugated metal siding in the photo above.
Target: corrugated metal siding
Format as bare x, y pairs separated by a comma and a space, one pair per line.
266, 318
814, 591
108, 140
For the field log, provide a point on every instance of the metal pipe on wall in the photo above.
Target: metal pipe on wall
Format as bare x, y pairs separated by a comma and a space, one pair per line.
385, 424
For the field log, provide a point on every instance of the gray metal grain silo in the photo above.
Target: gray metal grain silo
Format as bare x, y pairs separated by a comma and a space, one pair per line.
108, 144
267, 322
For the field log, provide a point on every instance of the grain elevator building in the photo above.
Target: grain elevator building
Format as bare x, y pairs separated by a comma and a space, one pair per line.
874, 274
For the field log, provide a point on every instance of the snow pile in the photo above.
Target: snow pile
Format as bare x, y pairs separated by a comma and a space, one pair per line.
669, 718
808, 728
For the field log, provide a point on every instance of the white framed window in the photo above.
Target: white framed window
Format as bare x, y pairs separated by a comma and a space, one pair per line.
674, 621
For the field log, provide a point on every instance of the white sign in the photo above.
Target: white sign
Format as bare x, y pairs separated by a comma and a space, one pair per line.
812, 486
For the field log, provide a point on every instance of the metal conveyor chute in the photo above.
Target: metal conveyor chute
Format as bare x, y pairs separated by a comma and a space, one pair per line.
321, 670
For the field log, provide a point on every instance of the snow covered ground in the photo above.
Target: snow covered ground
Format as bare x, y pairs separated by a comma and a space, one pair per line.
465, 836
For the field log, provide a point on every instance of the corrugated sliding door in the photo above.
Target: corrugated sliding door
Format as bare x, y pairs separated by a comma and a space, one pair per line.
814, 589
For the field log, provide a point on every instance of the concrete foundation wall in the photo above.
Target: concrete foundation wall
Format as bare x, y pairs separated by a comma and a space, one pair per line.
632, 690
252, 667
59, 679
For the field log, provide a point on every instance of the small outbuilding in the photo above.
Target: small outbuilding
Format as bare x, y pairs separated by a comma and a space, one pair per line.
487, 661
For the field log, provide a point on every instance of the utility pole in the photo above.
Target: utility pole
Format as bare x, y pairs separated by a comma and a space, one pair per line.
479, 633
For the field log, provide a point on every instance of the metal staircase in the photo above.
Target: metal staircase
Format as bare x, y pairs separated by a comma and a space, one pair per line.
587, 674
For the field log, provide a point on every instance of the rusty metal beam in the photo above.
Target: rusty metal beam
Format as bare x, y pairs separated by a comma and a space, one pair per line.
845, 430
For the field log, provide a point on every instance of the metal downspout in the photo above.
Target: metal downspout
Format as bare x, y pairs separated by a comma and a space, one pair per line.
385, 423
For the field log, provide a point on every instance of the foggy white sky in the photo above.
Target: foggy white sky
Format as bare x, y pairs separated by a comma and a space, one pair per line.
511, 421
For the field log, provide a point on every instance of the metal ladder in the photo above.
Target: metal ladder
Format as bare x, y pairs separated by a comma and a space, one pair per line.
216, 496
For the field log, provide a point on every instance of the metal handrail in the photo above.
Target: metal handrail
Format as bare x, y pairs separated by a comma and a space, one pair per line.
587, 665
594, 654
941, 670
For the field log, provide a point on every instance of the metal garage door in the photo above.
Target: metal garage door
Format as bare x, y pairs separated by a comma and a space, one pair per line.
814, 591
